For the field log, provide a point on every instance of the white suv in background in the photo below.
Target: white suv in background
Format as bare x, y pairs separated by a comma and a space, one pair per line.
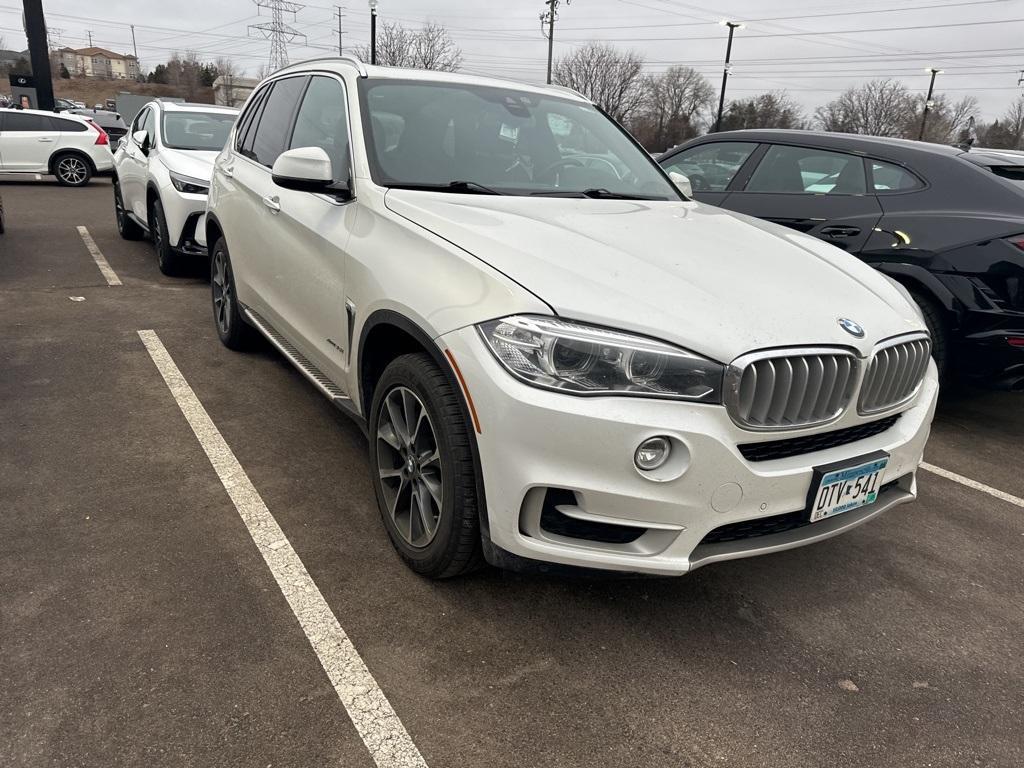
557, 357
70, 147
162, 174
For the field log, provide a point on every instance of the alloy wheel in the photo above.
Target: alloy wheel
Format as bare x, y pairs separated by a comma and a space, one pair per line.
119, 208
72, 170
409, 463
223, 295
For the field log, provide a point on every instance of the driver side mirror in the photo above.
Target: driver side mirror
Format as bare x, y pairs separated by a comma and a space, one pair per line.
308, 169
682, 183
142, 139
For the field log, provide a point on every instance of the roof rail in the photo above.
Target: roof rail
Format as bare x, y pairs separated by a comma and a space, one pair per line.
348, 58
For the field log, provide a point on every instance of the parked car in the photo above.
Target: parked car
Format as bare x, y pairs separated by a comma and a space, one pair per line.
63, 105
557, 360
71, 147
162, 174
947, 224
110, 122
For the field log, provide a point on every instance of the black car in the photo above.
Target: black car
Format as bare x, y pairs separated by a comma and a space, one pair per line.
946, 223
110, 122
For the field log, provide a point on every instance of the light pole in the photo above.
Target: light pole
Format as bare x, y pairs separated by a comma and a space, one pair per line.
928, 103
373, 31
733, 26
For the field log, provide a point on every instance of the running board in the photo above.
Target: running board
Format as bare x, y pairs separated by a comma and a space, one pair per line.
327, 387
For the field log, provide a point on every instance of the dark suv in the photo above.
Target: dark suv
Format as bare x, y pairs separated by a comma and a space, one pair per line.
946, 223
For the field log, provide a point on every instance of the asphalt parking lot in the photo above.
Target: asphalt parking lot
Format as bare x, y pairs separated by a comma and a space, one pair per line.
141, 624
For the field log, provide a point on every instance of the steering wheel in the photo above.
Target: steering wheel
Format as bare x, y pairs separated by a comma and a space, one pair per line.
565, 161
610, 164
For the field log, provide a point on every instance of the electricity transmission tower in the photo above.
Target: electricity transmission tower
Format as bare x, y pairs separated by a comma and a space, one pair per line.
275, 30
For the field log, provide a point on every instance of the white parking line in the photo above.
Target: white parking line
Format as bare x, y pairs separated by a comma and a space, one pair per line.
375, 720
1002, 495
99, 258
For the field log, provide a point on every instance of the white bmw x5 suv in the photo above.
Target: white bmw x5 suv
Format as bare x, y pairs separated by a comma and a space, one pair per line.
162, 173
557, 356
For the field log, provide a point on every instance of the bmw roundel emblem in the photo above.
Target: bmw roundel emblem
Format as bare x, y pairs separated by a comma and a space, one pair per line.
852, 328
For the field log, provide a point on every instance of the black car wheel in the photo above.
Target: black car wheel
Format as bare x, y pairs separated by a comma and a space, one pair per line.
423, 469
933, 319
126, 226
234, 332
168, 259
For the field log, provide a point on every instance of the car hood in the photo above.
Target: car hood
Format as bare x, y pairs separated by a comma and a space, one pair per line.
195, 163
713, 281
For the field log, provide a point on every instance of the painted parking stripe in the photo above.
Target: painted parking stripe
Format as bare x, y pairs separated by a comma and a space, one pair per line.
99, 258
375, 720
1001, 495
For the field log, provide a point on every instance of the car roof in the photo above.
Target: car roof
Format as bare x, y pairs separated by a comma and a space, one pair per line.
47, 113
850, 142
341, 64
188, 106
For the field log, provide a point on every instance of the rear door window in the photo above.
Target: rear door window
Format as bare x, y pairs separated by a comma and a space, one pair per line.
246, 125
23, 123
275, 124
889, 177
711, 167
806, 170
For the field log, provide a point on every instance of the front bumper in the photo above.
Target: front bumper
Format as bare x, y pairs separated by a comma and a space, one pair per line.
186, 216
533, 440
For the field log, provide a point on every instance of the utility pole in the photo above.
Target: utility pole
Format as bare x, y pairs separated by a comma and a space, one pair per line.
733, 26
373, 31
340, 13
35, 32
548, 18
928, 101
89, 33
138, 69
279, 33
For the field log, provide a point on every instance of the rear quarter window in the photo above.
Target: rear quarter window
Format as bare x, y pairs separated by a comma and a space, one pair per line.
68, 126
889, 177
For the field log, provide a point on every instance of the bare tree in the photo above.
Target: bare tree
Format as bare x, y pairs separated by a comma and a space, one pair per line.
1013, 123
767, 110
946, 119
878, 108
430, 47
227, 73
610, 77
673, 108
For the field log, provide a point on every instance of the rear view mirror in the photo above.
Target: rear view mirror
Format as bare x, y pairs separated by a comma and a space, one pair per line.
682, 183
306, 169
142, 139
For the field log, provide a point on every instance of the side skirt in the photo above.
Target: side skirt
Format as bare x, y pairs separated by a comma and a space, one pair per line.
317, 378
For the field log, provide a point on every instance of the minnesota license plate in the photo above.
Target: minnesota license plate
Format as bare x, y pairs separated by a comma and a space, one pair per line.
842, 487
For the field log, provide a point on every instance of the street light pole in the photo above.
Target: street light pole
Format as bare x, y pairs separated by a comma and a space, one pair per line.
373, 31
733, 26
928, 101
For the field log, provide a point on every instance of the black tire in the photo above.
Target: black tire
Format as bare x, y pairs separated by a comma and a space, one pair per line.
72, 169
167, 258
126, 226
455, 547
933, 318
234, 332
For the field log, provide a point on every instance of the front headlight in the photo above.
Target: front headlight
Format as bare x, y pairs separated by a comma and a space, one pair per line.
189, 185
587, 360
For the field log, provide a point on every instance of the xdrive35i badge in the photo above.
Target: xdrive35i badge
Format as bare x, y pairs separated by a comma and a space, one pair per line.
852, 328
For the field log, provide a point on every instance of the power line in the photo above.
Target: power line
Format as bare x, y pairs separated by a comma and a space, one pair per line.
279, 33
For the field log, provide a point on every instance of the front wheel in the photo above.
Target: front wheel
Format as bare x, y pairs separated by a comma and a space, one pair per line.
423, 469
71, 170
167, 258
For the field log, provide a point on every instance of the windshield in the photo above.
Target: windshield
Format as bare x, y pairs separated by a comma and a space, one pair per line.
482, 139
196, 130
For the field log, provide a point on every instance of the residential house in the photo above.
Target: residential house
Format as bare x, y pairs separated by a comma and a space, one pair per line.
104, 64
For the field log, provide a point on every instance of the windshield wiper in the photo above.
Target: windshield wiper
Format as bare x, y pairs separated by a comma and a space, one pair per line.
597, 193
460, 187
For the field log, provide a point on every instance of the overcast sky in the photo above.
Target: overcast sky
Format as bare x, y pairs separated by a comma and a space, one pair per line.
811, 48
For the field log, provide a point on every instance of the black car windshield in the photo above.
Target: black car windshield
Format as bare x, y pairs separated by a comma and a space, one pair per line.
196, 130
474, 139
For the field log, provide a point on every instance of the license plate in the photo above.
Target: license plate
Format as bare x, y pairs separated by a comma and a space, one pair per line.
846, 486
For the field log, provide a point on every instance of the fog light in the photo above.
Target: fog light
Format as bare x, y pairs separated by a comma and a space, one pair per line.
652, 453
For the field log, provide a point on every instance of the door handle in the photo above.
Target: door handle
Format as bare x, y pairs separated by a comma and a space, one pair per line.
838, 231
44, 138
273, 203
